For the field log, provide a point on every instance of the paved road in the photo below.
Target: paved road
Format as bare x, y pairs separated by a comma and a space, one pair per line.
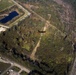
3, 26
21, 67
22, 17
6, 70
12, 62
20, 71
4, 15
21, 7
5, 60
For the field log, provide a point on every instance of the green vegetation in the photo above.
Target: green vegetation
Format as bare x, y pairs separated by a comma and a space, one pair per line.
5, 4
49, 10
4, 66
23, 73
13, 21
6, 73
15, 68
23, 37
55, 51
72, 2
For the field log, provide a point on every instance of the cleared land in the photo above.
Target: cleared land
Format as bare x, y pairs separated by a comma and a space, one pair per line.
61, 16
48, 10
4, 4
54, 50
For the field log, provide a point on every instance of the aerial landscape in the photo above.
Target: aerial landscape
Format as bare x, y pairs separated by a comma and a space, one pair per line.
37, 37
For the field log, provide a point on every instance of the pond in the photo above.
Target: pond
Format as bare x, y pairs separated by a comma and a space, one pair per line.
10, 16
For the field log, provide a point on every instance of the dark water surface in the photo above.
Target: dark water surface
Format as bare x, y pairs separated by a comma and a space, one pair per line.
9, 17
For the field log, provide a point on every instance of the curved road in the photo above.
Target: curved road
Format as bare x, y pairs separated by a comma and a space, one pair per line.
5, 60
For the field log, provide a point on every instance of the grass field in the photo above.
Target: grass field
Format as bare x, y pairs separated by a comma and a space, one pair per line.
5, 4
23, 73
55, 51
49, 10
3, 66
15, 68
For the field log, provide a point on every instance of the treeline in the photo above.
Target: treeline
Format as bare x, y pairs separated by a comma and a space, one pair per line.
23, 37
40, 68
